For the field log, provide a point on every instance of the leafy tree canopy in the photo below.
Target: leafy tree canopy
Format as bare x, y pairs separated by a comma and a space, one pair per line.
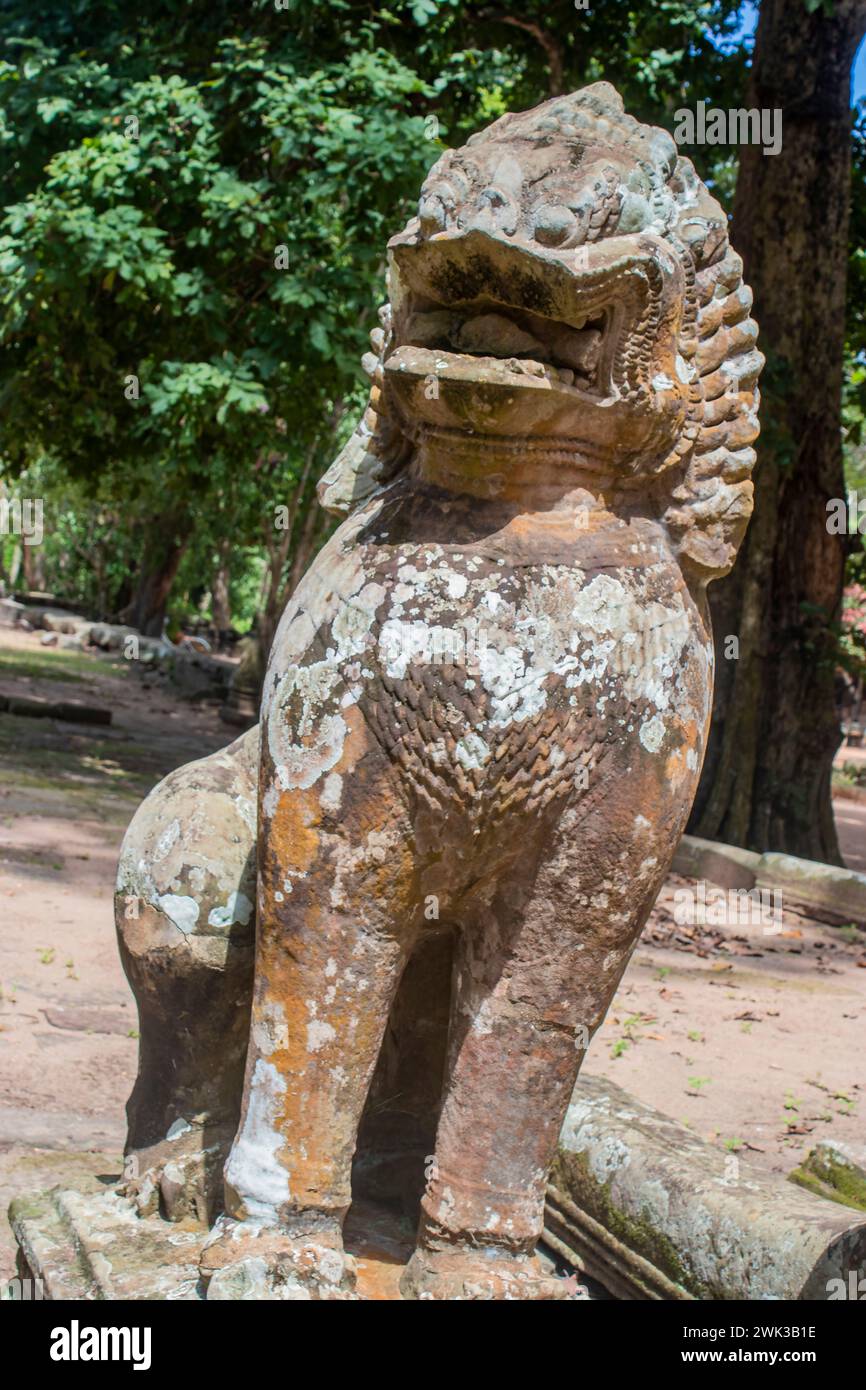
199, 200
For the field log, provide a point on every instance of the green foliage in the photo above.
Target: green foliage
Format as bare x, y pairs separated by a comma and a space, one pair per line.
199, 199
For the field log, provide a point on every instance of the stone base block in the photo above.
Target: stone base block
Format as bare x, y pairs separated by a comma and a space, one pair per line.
98, 1247
826, 892
640, 1203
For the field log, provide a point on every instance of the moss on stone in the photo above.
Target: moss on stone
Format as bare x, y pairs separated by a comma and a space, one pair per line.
826, 1173
28, 1207
637, 1233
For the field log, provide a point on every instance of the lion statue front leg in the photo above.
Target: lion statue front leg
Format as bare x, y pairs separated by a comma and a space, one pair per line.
184, 910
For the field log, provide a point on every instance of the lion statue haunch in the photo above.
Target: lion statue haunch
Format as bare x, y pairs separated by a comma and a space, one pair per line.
482, 726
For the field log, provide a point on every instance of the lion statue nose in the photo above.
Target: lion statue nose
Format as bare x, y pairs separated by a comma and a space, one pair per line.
495, 211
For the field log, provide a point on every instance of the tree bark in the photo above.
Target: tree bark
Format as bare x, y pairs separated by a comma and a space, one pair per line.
33, 565
766, 780
550, 47
221, 613
167, 539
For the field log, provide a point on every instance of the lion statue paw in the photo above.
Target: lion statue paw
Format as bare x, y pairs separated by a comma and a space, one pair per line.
244, 1261
462, 1274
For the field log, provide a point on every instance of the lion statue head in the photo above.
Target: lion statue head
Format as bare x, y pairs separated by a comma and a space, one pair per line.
567, 289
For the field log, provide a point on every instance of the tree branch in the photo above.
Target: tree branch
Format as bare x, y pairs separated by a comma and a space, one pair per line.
551, 48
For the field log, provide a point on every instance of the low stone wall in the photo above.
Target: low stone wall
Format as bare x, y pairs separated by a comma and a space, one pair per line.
823, 891
195, 674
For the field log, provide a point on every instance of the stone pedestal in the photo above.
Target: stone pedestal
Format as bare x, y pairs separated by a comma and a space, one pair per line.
638, 1208
98, 1247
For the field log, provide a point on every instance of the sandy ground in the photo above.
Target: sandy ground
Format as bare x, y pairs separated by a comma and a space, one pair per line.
67, 1019
755, 1041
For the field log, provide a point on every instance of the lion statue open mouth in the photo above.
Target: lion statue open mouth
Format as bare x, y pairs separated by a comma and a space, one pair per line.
483, 723
568, 289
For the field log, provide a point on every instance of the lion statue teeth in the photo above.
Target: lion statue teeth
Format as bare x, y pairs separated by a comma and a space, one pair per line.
482, 728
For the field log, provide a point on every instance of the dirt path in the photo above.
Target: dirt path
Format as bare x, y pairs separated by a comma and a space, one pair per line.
67, 1019
754, 1041
851, 829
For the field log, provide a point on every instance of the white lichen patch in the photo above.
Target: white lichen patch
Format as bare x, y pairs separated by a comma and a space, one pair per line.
331, 794
651, 734
253, 1169
319, 1034
166, 842
269, 1028
304, 764
182, 911
238, 908
472, 752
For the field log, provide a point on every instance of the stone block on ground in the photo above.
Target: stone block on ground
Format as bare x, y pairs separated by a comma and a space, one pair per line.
727, 865
85, 1246
826, 892
12, 613
197, 675
652, 1211
72, 711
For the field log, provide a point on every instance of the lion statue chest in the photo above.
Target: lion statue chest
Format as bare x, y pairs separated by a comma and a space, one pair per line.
498, 671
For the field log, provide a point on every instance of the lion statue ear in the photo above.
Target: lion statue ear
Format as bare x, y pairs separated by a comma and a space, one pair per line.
354, 475
710, 509
376, 448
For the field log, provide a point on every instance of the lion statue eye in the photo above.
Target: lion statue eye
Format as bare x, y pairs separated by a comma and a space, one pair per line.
555, 225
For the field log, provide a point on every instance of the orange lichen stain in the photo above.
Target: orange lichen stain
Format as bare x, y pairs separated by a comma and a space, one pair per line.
293, 839
676, 766
317, 1112
379, 1280
356, 742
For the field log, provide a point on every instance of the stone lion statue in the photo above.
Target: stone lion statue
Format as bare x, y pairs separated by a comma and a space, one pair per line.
371, 940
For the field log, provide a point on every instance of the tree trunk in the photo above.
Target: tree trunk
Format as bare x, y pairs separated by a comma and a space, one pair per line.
15, 565
221, 613
297, 542
33, 564
168, 538
766, 781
